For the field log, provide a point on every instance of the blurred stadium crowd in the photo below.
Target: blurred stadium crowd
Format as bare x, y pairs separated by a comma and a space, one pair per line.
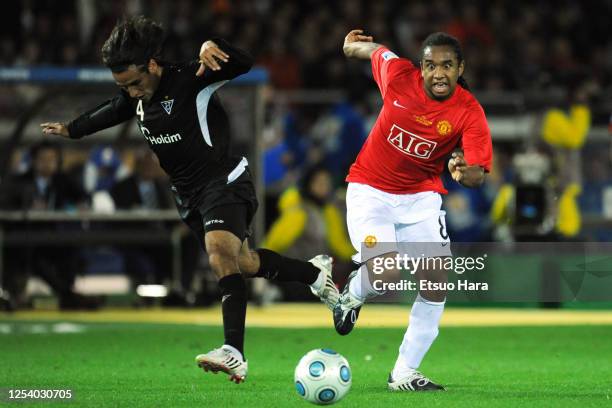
509, 45
319, 108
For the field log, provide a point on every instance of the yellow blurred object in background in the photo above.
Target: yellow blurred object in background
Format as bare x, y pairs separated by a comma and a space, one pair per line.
567, 131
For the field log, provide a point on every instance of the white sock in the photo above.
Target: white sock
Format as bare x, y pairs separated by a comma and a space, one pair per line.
233, 350
421, 333
316, 285
360, 286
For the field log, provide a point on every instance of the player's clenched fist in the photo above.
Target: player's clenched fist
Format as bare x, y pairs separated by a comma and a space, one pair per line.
456, 166
55, 128
357, 45
356, 36
210, 55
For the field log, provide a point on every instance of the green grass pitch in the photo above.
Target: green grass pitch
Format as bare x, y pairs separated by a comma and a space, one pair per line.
144, 365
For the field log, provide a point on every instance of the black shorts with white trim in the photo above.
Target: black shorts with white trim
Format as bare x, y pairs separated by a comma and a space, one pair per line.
226, 205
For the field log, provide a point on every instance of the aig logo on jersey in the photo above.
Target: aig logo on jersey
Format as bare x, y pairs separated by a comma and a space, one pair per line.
410, 144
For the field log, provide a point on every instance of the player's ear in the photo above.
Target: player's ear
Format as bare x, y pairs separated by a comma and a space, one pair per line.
461, 67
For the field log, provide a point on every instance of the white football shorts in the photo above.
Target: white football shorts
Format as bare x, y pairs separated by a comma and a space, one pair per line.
381, 222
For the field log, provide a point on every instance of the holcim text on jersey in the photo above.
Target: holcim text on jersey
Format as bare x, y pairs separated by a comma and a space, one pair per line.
163, 139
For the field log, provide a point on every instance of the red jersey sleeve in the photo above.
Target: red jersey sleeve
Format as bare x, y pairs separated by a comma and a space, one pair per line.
386, 66
476, 140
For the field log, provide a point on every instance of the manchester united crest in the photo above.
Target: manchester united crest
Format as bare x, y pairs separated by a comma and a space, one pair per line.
370, 241
444, 128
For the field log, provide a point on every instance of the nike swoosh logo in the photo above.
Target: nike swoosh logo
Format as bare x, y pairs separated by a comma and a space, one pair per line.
224, 298
396, 103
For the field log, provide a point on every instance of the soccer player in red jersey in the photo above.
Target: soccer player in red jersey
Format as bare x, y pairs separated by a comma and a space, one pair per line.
394, 191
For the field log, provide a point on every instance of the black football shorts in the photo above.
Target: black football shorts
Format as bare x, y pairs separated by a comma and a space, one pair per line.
227, 207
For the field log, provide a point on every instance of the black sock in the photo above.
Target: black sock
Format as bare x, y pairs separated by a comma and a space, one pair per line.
233, 307
275, 267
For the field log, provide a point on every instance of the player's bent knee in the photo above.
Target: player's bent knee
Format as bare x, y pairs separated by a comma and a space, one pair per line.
223, 264
248, 263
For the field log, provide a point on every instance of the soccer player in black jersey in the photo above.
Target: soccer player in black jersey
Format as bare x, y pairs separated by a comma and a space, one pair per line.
183, 122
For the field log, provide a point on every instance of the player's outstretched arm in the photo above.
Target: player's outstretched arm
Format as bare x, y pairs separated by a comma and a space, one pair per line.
357, 45
108, 114
467, 176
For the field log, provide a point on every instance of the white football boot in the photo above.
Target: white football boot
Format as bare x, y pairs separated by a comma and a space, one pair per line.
224, 359
412, 381
328, 292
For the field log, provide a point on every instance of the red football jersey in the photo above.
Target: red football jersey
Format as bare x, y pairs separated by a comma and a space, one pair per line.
413, 136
